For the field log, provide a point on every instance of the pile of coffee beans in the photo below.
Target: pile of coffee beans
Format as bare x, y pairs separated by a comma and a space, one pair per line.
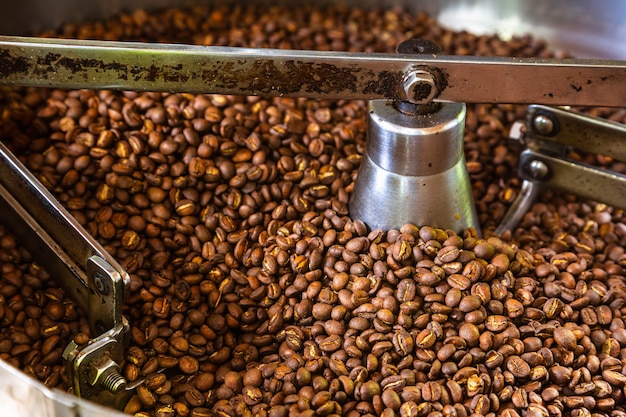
254, 289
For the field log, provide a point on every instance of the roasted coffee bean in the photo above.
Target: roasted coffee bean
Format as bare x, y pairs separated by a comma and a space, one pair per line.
560, 374
565, 338
518, 367
496, 323
470, 333
614, 377
146, 397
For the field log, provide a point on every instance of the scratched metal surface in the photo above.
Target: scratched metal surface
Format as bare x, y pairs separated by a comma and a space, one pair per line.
314, 74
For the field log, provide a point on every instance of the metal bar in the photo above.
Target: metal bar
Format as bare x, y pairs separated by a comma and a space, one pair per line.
57, 240
333, 75
44, 249
583, 180
580, 131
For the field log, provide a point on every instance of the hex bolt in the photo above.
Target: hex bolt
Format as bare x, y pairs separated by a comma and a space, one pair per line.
419, 86
107, 375
543, 124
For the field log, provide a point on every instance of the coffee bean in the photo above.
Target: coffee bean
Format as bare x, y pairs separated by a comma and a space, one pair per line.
391, 399
518, 367
560, 374
188, 365
470, 333
565, 338
146, 397
496, 323
408, 409
469, 303
614, 377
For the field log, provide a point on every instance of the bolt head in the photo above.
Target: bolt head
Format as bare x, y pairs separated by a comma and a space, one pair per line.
419, 87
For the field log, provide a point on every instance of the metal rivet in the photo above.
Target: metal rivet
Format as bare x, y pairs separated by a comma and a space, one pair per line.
537, 169
543, 124
100, 285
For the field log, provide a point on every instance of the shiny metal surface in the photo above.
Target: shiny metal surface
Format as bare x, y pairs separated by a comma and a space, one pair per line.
576, 130
95, 368
583, 28
413, 170
547, 150
286, 73
583, 180
417, 145
56, 235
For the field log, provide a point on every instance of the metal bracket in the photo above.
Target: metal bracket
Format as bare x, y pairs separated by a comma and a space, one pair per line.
94, 368
546, 138
106, 295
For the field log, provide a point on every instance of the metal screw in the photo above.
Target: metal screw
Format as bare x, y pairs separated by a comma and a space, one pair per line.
107, 375
419, 86
543, 124
114, 382
537, 169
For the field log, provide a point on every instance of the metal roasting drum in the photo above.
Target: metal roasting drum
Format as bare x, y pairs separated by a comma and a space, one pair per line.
582, 28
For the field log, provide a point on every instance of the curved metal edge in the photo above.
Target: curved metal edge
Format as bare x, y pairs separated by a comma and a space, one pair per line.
23, 396
528, 195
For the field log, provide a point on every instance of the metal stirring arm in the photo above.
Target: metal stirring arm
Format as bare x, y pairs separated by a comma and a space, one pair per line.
63, 63
545, 138
87, 273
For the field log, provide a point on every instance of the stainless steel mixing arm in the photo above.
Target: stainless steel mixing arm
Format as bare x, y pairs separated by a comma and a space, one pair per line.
87, 273
421, 78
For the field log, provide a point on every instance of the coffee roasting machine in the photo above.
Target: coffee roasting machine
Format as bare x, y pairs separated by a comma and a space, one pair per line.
413, 169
